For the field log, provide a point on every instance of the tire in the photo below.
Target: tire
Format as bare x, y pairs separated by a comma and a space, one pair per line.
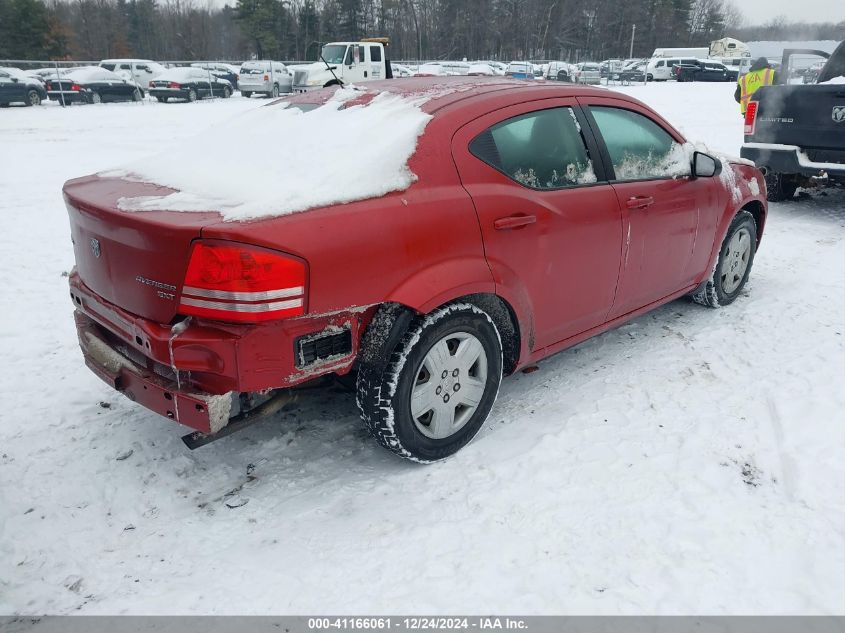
162, 99
275, 91
227, 92
136, 95
434, 343
95, 98
733, 266
649, 77
33, 98
246, 94
192, 95
780, 187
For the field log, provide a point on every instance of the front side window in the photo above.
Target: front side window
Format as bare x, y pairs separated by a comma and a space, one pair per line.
540, 150
333, 53
639, 148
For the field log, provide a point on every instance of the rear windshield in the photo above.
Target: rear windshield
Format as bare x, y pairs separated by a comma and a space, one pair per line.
255, 68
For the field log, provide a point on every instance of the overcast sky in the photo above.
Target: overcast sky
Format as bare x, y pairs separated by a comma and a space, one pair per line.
762, 11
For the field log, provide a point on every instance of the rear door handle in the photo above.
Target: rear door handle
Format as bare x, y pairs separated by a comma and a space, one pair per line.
513, 222
639, 202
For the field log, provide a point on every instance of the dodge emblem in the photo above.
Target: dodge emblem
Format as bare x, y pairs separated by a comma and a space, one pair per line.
95, 246
839, 114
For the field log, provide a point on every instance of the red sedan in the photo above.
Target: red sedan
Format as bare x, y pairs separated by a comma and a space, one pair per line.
541, 215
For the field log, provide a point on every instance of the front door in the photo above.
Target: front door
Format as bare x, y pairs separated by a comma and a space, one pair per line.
663, 207
550, 222
12, 89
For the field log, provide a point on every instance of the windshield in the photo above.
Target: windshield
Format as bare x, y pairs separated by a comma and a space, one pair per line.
334, 53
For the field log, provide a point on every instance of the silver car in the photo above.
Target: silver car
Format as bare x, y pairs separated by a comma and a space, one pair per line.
264, 77
588, 73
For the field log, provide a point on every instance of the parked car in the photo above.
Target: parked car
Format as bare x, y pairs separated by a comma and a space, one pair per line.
796, 133
662, 68
520, 70
400, 70
608, 67
702, 70
221, 71
17, 87
481, 70
560, 71
570, 210
188, 84
137, 71
264, 77
92, 84
434, 69
499, 68
633, 73
587, 73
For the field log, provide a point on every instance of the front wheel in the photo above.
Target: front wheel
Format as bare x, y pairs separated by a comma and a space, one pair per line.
246, 94
438, 387
649, 77
227, 92
780, 187
733, 265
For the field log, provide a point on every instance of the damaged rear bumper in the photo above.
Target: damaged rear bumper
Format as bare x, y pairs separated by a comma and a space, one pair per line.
203, 412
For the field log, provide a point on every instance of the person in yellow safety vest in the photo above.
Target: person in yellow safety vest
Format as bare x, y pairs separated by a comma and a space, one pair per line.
761, 74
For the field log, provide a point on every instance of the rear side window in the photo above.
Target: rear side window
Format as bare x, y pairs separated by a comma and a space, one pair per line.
375, 54
540, 150
107, 66
639, 148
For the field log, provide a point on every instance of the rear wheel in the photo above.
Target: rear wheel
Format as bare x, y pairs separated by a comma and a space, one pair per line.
33, 98
733, 265
275, 90
780, 187
438, 387
95, 98
192, 95
162, 99
136, 95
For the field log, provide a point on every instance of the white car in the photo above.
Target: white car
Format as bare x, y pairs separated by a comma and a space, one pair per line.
481, 70
560, 71
434, 69
137, 71
588, 73
264, 77
401, 71
660, 68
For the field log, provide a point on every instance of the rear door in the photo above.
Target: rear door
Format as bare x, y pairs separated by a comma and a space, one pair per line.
549, 220
663, 208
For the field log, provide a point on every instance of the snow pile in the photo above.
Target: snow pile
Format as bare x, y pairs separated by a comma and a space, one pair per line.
835, 80
289, 161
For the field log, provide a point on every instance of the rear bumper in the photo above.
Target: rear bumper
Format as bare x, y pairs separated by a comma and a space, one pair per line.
204, 412
168, 92
162, 370
788, 159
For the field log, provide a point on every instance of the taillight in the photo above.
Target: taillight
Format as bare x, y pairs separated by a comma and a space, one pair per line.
76, 87
750, 118
266, 78
173, 84
241, 283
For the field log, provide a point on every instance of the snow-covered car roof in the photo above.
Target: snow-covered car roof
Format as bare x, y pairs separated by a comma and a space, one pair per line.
186, 73
93, 73
16, 72
482, 69
216, 65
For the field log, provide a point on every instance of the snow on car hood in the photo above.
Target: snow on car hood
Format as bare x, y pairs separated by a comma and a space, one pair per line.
289, 161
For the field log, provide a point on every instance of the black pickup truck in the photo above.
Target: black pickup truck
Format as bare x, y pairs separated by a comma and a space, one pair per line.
795, 133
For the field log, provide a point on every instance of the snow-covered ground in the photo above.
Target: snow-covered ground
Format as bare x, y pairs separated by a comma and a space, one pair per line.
688, 462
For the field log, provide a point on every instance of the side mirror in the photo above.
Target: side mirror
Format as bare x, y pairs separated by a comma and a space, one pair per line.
705, 166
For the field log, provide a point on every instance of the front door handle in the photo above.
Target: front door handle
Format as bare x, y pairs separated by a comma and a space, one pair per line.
639, 202
513, 222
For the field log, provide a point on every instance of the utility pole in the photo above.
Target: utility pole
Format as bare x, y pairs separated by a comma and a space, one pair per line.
633, 32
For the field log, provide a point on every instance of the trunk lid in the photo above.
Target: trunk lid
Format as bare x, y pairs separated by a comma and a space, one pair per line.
802, 115
135, 260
